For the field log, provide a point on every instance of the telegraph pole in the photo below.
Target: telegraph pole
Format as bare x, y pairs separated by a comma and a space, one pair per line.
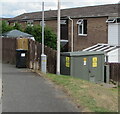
43, 56
42, 27
58, 40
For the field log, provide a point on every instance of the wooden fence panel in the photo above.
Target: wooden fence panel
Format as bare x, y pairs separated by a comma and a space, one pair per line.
35, 51
115, 71
51, 59
9, 50
34, 54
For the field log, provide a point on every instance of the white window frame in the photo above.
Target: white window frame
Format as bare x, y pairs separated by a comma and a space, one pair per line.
30, 23
80, 22
111, 20
63, 22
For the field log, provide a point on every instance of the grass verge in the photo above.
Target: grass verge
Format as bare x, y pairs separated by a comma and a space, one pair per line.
89, 97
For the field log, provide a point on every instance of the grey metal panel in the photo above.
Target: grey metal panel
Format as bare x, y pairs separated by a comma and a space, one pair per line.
63, 69
83, 65
82, 53
80, 70
96, 74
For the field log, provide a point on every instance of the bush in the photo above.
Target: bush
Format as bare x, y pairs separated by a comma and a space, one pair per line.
17, 26
49, 36
5, 27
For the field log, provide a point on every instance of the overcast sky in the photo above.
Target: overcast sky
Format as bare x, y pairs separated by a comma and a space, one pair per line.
12, 8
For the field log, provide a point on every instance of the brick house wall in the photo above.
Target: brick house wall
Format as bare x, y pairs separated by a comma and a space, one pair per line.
22, 23
52, 24
97, 32
96, 16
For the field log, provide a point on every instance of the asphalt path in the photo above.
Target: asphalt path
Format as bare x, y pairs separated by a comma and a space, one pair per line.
25, 91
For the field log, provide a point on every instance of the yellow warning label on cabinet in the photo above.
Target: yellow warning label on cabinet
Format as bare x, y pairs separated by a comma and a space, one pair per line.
94, 61
84, 61
67, 61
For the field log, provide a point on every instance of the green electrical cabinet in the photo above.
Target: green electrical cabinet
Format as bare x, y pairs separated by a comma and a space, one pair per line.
85, 65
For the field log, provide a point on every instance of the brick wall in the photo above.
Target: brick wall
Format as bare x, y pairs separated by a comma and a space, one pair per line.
97, 32
52, 24
9, 50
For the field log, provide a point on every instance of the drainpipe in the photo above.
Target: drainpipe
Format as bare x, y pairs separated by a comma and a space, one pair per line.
71, 33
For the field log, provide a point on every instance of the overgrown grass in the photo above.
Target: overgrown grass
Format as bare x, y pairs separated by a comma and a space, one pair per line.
89, 96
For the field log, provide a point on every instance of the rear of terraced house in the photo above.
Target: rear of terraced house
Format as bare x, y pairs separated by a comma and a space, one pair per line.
91, 25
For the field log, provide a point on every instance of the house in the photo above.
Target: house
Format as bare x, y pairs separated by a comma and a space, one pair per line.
4, 19
91, 25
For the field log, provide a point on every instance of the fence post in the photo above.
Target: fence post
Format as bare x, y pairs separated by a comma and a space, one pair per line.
107, 74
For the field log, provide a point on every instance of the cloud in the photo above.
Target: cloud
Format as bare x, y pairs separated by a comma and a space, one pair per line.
20, 11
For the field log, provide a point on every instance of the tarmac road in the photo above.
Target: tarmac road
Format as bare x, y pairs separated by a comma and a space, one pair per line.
25, 91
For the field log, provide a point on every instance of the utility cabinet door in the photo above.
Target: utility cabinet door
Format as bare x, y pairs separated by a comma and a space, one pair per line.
79, 67
96, 68
65, 65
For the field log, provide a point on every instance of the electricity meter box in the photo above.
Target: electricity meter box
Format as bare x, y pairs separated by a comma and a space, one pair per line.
83, 64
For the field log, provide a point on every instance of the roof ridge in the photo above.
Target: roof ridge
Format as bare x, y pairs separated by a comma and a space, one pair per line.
72, 8
87, 11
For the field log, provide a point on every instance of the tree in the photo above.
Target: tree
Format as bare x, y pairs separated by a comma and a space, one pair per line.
5, 27
29, 30
36, 31
49, 37
17, 26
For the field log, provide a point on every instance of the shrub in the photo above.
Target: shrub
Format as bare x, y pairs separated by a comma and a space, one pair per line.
49, 36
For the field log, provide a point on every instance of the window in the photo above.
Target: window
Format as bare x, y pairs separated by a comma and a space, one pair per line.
25, 17
30, 23
118, 20
63, 22
82, 27
111, 20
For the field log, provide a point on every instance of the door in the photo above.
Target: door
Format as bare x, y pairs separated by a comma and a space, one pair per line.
89, 68
96, 68
64, 29
65, 62
64, 35
80, 67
